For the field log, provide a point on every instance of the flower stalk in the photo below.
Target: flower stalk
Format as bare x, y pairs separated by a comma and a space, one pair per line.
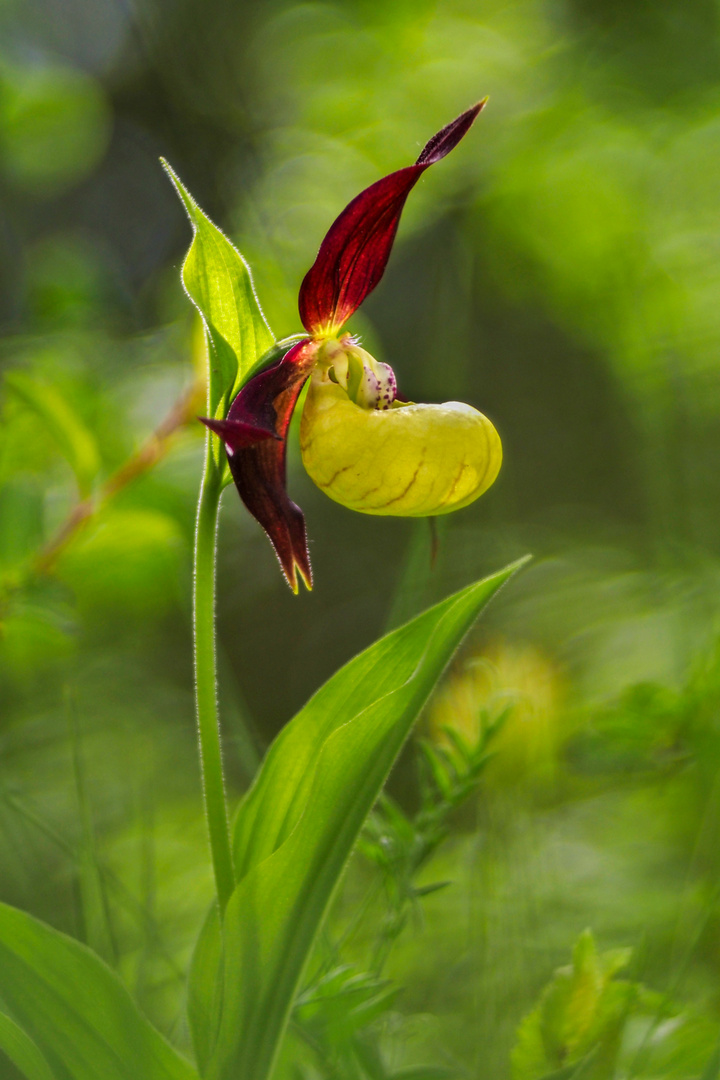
206, 678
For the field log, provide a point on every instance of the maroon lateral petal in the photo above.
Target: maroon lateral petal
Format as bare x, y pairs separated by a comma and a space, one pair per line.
353, 256
266, 402
237, 435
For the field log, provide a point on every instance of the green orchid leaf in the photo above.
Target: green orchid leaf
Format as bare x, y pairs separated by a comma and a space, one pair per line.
219, 283
204, 1005
74, 441
22, 1051
76, 1010
277, 799
300, 820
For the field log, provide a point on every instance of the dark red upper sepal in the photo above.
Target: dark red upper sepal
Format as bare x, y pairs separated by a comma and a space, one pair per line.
353, 256
266, 403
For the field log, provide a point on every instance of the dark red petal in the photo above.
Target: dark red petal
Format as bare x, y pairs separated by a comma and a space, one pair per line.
355, 251
259, 471
440, 145
237, 435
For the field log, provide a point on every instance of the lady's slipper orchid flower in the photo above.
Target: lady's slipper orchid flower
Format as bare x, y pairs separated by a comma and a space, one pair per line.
361, 443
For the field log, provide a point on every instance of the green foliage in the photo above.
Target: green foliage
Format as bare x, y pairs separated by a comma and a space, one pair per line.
713, 1066
56, 415
36, 640
126, 559
588, 1025
340, 1004
424, 1072
54, 125
219, 283
561, 274
400, 845
79, 1014
22, 1051
297, 826
21, 522
336, 1014
581, 1012
205, 988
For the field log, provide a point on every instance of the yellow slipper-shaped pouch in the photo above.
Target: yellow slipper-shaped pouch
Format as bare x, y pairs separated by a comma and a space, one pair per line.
407, 460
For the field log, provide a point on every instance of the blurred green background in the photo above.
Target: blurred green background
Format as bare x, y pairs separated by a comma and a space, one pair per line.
560, 271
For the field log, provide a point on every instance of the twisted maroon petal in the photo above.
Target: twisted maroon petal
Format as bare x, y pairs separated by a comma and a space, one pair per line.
261, 412
353, 256
237, 435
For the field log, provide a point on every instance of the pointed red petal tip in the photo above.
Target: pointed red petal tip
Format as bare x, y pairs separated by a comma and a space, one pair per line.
237, 435
440, 145
353, 256
258, 468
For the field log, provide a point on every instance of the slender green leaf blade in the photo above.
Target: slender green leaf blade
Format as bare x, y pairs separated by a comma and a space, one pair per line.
218, 281
75, 442
22, 1051
277, 799
298, 825
204, 1005
76, 1009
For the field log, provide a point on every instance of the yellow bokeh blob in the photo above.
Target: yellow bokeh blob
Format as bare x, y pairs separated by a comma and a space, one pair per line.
518, 681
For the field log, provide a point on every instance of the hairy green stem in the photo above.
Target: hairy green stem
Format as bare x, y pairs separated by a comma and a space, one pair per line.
206, 680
